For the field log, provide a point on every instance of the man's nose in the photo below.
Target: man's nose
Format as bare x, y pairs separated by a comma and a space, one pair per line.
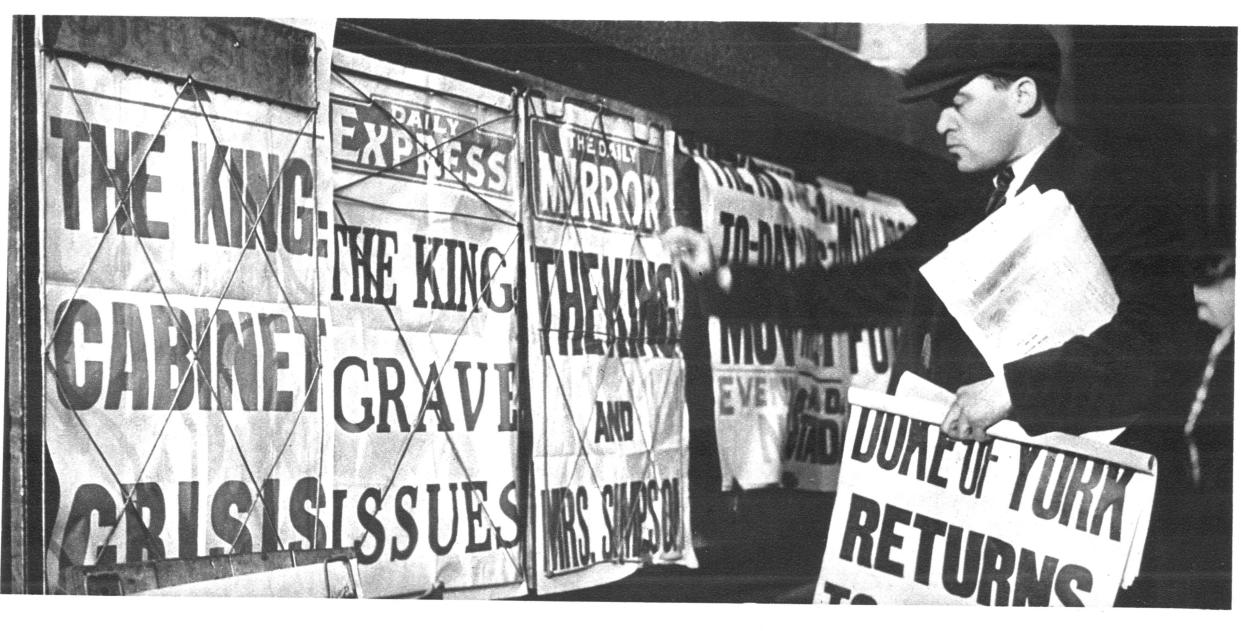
947, 121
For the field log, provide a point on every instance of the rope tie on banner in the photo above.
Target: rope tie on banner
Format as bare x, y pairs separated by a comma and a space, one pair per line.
428, 388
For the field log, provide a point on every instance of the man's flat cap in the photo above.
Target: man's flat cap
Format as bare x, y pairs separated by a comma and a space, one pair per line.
1019, 50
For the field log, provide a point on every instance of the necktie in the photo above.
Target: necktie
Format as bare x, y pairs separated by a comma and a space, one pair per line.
1200, 397
1002, 180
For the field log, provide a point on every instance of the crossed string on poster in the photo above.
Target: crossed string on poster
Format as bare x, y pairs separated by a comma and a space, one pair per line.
570, 190
122, 215
422, 150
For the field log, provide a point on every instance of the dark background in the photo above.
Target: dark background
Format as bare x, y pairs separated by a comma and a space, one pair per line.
772, 91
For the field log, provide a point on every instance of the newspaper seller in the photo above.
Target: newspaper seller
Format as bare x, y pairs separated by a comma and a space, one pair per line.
995, 87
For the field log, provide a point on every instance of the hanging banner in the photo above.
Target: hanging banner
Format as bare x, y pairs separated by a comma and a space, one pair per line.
422, 362
865, 225
923, 519
610, 459
779, 391
812, 444
183, 226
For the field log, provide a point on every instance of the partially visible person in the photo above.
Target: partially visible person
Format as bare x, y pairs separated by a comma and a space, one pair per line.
1188, 559
995, 87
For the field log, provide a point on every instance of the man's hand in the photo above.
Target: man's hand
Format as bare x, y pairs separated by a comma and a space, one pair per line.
691, 248
977, 407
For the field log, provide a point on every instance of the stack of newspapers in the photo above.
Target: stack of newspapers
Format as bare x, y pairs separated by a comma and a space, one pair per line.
1024, 280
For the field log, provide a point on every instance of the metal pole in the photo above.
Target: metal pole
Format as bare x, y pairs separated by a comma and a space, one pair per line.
22, 563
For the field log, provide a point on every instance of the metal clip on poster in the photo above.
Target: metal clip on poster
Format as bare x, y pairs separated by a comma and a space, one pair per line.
692, 148
771, 167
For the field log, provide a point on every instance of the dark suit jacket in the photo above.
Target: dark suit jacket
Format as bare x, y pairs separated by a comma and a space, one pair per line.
1100, 380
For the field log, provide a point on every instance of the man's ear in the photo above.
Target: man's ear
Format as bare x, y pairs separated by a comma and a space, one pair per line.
1025, 92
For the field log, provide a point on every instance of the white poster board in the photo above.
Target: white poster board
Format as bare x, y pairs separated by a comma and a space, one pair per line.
922, 519
183, 362
422, 296
604, 306
779, 391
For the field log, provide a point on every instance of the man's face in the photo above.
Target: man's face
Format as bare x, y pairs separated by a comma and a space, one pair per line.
980, 125
1215, 302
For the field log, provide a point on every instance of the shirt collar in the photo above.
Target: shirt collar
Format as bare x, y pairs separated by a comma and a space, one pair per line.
1022, 166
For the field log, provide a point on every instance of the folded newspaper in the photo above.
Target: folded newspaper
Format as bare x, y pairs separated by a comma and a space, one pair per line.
1025, 279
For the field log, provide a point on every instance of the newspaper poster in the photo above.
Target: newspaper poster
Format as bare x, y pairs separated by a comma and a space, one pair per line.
183, 226
422, 360
865, 225
779, 391
812, 446
923, 519
604, 305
